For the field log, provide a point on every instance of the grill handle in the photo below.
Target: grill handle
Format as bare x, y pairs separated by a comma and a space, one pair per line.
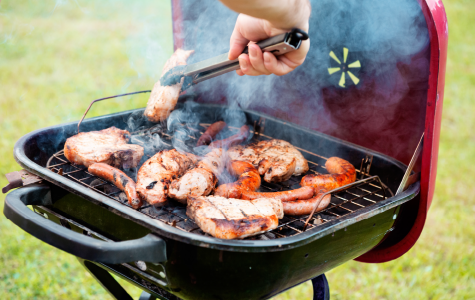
149, 248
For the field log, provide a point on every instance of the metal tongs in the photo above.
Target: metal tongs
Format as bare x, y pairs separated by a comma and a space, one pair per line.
219, 65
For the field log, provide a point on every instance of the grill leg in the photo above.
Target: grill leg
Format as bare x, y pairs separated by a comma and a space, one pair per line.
321, 289
107, 281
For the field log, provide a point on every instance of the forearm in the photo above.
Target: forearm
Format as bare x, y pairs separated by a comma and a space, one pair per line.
283, 14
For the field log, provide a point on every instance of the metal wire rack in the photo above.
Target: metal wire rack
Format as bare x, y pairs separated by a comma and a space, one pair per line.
366, 191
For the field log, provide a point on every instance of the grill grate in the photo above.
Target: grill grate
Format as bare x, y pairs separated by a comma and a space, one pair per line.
344, 202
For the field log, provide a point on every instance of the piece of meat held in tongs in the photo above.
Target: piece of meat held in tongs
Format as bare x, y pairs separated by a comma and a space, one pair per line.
201, 180
276, 159
109, 146
341, 172
163, 99
157, 173
232, 218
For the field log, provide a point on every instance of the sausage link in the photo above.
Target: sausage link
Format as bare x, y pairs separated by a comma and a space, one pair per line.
211, 133
302, 193
119, 179
305, 207
233, 140
341, 173
248, 180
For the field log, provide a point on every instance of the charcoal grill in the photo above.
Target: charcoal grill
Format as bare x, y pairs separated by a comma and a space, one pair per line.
164, 253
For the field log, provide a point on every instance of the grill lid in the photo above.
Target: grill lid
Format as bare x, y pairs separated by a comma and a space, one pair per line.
374, 76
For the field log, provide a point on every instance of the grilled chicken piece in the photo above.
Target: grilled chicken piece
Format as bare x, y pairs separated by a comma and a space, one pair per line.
159, 171
201, 180
109, 146
163, 99
276, 159
232, 218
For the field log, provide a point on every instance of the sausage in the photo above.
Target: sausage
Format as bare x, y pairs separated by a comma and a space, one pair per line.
305, 207
211, 133
305, 192
119, 179
236, 139
341, 173
249, 180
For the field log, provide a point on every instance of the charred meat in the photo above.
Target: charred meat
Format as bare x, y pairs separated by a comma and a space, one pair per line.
208, 136
276, 159
109, 146
157, 173
233, 140
119, 179
341, 173
232, 218
199, 181
163, 99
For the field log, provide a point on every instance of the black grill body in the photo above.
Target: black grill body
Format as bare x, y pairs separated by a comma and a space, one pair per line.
192, 265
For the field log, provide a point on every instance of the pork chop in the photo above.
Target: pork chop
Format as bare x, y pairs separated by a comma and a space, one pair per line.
109, 146
163, 99
276, 159
233, 218
156, 174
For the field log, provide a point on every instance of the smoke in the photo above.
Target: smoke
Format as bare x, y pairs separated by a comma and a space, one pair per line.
390, 40
180, 124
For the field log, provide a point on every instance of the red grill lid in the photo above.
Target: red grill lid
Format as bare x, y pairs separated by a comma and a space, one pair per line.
374, 76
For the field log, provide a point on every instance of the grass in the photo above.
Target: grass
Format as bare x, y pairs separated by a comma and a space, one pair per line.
57, 55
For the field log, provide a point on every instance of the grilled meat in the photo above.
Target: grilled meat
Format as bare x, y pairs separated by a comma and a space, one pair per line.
163, 99
305, 207
341, 173
119, 179
201, 180
156, 174
248, 180
211, 133
305, 192
236, 139
232, 218
107, 146
277, 160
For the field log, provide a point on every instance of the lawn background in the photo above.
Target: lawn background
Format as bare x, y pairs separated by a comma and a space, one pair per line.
56, 56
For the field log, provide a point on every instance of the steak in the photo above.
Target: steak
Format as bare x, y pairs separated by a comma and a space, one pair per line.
232, 218
109, 146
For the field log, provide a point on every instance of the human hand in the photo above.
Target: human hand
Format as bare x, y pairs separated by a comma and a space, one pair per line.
249, 30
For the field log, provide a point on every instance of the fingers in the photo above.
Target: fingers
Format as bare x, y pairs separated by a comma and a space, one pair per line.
253, 64
237, 44
257, 59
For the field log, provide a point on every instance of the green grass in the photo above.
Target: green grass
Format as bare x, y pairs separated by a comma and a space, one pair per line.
56, 56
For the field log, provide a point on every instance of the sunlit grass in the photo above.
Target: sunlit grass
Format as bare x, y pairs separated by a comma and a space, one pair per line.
57, 56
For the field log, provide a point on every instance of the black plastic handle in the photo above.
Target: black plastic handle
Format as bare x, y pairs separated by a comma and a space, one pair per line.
295, 34
149, 248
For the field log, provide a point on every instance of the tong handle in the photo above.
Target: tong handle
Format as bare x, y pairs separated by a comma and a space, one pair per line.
278, 45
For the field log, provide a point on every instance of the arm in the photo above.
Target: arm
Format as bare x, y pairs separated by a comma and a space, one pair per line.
261, 19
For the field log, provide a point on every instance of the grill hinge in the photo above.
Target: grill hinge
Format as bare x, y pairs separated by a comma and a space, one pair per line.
18, 179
